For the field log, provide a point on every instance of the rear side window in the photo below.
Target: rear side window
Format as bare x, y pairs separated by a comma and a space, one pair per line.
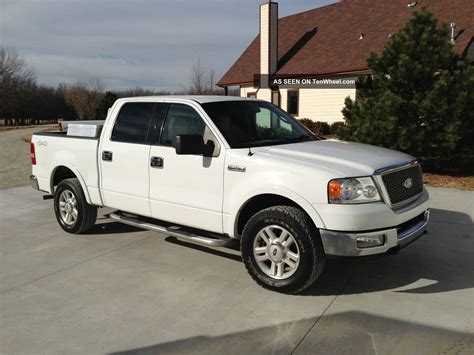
133, 123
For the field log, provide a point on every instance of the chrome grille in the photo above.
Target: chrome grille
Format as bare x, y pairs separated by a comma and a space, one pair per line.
403, 185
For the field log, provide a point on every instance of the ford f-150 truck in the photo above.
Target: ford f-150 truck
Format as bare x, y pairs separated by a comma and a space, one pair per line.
213, 170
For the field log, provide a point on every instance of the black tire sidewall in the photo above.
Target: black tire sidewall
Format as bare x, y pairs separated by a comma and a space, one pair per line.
305, 245
70, 185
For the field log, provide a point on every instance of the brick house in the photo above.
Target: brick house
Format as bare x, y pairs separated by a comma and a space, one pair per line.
333, 41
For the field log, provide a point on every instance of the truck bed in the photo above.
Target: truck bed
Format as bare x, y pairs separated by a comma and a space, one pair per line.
56, 150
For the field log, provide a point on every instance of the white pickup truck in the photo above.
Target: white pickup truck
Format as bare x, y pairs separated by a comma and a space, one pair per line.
213, 170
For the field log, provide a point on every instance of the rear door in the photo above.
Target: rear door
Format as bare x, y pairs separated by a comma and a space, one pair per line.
124, 158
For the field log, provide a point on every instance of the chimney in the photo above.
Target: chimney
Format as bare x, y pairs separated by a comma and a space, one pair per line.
453, 31
268, 39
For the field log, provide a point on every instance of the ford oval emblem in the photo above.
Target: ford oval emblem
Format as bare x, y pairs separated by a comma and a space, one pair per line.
408, 183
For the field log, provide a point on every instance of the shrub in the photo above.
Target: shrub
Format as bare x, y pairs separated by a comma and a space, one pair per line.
337, 127
317, 127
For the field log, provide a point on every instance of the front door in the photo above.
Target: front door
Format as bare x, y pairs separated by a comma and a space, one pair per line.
186, 189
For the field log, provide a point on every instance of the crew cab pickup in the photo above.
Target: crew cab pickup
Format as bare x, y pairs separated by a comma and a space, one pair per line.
213, 170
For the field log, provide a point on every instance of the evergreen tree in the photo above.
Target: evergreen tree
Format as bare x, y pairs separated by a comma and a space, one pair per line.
105, 103
420, 96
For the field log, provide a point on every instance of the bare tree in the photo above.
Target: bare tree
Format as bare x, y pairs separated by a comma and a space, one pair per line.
23, 101
140, 92
202, 80
83, 97
13, 66
17, 79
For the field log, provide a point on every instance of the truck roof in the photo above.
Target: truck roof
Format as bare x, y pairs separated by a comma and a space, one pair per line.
202, 99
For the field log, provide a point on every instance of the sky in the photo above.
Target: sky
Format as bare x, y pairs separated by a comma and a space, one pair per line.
124, 44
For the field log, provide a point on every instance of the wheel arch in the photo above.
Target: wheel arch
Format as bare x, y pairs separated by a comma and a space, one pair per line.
260, 201
63, 172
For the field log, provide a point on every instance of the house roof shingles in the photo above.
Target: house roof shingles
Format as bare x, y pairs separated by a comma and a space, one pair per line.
326, 41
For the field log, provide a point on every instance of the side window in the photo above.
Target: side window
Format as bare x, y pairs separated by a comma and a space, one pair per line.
181, 119
293, 101
133, 122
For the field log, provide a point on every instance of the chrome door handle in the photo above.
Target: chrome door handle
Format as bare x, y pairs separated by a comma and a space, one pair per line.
156, 162
237, 168
106, 155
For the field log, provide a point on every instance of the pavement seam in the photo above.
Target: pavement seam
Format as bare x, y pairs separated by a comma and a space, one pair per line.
74, 265
314, 324
322, 314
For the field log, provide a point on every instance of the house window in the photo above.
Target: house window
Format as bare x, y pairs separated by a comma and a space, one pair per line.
252, 95
293, 102
276, 98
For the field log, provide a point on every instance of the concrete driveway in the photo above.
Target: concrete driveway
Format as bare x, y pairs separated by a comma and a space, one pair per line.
124, 290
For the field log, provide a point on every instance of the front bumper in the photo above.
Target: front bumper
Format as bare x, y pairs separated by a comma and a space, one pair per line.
345, 243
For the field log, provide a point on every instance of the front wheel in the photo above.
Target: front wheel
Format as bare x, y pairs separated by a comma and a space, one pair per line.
72, 211
282, 250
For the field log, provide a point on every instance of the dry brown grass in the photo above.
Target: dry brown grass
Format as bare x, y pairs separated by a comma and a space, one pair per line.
456, 182
10, 128
27, 137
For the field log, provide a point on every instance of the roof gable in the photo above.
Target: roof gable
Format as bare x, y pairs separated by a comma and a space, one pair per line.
326, 41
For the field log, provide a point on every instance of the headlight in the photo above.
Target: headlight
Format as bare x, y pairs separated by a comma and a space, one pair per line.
353, 190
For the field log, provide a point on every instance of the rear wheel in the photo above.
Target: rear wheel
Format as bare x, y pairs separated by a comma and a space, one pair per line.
282, 250
73, 213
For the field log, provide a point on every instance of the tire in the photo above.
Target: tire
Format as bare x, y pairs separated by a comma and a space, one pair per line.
69, 200
295, 276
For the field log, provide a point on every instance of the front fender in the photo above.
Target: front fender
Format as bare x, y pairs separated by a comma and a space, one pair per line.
231, 220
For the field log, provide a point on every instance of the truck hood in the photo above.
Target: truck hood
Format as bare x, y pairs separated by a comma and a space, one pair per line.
344, 158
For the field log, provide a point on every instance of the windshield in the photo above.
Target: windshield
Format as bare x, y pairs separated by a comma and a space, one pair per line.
255, 124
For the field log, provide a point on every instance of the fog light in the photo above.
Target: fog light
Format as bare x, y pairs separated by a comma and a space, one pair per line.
370, 241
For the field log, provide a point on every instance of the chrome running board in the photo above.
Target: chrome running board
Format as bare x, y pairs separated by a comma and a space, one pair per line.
213, 240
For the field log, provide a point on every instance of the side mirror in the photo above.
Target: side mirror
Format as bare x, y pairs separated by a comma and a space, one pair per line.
209, 149
190, 144
193, 144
